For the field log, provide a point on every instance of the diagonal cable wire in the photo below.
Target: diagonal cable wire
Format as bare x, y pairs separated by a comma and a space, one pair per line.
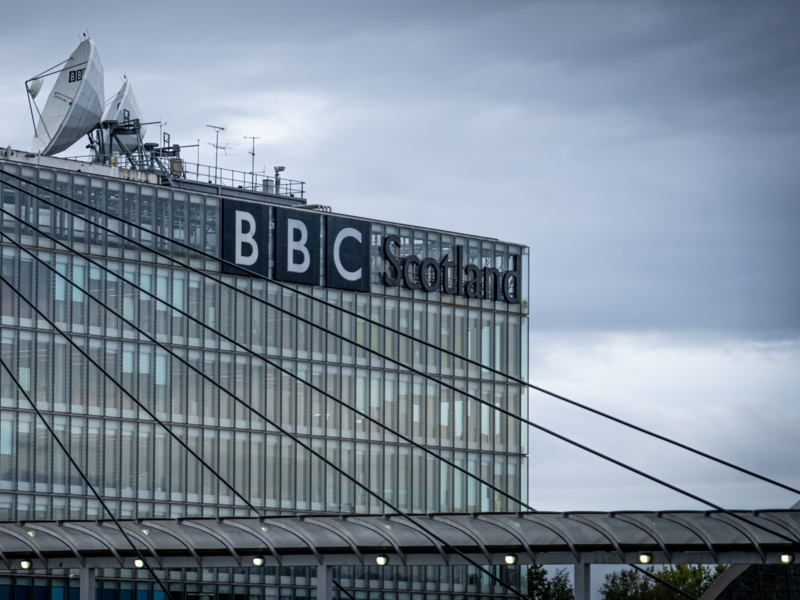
404, 334
278, 367
276, 426
83, 476
662, 582
418, 372
127, 393
348, 594
141, 405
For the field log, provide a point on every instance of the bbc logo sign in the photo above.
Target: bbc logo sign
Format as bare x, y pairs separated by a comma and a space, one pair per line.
76, 75
295, 242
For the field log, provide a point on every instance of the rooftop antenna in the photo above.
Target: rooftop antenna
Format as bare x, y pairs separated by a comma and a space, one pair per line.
217, 129
160, 128
252, 153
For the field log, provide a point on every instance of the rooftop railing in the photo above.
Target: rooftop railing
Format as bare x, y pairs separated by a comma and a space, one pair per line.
166, 164
258, 182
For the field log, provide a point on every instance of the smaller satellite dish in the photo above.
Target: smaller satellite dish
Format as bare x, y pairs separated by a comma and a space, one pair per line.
35, 86
121, 109
75, 105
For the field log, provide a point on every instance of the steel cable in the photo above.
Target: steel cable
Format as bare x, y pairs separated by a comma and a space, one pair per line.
662, 582
275, 365
175, 436
409, 368
399, 332
276, 426
84, 477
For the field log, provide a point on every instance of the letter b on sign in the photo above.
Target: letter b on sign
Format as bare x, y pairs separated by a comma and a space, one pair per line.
245, 237
297, 244
347, 254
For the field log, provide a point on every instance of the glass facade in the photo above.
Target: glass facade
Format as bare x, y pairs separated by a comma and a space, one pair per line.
267, 583
143, 473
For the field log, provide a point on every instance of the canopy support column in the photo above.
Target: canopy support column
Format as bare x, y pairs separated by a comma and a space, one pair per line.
324, 582
583, 581
87, 583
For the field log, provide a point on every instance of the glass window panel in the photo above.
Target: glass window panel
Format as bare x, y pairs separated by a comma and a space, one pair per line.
144, 464
212, 226
97, 200
333, 320
334, 408
404, 341
500, 344
196, 221
179, 220
130, 213
390, 415
113, 201
146, 215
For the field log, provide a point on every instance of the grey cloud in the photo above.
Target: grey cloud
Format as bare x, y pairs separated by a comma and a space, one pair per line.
646, 153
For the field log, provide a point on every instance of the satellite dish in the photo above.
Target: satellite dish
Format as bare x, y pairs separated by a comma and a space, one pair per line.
75, 104
124, 107
35, 87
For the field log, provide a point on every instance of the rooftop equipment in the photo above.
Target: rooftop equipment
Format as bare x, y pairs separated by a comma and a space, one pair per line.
124, 109
75, 104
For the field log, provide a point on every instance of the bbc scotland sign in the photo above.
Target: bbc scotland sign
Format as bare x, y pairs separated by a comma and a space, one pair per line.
294, 239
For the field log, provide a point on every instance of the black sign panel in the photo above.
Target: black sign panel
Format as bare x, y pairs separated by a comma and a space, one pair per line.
245, 238
296, 247
347, 260
297, 243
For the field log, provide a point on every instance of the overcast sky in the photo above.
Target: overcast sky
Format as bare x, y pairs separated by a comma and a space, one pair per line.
646, 152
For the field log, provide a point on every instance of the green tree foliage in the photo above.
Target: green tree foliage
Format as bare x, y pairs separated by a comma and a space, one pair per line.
630, 584
560, 587
540, 587
538, 584
627, 585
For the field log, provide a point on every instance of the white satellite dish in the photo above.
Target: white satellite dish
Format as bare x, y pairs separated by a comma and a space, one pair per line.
35, 87
75, 104
124, 107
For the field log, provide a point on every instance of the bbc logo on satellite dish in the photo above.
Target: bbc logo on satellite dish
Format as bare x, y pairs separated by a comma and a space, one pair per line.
76, 75
297, 246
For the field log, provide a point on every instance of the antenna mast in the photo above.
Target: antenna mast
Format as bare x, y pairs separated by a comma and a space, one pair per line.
252, 153
217, 129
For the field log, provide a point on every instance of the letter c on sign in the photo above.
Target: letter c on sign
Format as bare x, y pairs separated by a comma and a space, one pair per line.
293, 246
337, 259
245, 238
